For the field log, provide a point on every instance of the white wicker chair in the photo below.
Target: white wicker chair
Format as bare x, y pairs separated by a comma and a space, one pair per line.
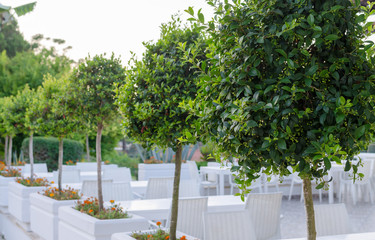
205, 181
38, 168
69, 167
90, 187
190, 216
117, 174
331, 219
264, 209
118, 191
159, 188
87, 166
71, 176
228, 225
188, 188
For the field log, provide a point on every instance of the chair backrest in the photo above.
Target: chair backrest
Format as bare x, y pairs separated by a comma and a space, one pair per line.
117, 174
159, 188
331, 219
228, 225
87, 166
109, 166
90, 187
193, 170
72, 176
38, 168
264, 209
69, 167
189, 188
190, 216
118, 191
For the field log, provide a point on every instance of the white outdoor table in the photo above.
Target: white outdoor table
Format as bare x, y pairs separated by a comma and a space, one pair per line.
153, 209
353, 236
221, 171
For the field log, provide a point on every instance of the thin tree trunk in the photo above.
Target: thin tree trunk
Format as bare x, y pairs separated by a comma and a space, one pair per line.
99, 162
123, 145
87, 148
6, 150
61, 152
176, 189
10, 151
309, 206
31, 156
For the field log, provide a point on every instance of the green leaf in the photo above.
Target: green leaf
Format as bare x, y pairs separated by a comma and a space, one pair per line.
201, 17
340, 117
290, 63
281, 143
310, 19
331, 37
317, 28
260, 40
251, 123
320, 185
347, 166
312, 70
308, 82
282, 52
305, 52
327, 163
359, 131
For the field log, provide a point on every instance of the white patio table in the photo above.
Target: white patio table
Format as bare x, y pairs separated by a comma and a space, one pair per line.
221, 171
352, 236
158, 209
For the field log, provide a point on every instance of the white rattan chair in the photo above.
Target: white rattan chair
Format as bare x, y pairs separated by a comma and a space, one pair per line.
331, 219
118, 191
71, 176
117, 174
228, 225
87, 166
295, 180
69, 167
38, 168
159, 188
188, 188
205, 181
190, 216
264, 209
90, 187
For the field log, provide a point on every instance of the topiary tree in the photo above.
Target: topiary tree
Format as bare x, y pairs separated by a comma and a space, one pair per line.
57, 118
155, 88
94, 81
289, 85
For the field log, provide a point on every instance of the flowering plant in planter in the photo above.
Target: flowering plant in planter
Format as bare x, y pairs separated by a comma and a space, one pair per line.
11, 172
37, 182
70, 162
159, 234
90, 206
65, 194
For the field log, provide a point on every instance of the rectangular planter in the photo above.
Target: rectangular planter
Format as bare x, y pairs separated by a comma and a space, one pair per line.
126, 235
44, 215
76, 225
4, 181
146, 171
19, 202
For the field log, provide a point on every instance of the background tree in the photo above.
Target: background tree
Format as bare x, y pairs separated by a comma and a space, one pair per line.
11, 40
289, 84
3, 132
57, 118
155, 87
94, 81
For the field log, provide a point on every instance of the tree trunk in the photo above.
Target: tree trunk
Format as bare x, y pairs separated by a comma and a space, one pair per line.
87, 148
61, 152
6, 150
123, 145
309, 206
99, 162
10, 151
176, 189
31, 156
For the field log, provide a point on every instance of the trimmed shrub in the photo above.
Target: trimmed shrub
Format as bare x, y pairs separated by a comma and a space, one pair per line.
46, 150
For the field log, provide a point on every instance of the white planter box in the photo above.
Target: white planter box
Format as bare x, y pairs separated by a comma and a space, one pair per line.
126, 235
44, 215
146, 171
4, 181
19, 202
76, 225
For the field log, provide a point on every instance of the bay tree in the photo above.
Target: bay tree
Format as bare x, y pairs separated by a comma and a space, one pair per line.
57, 118
290, 84
155, 87
3, 130
93, 81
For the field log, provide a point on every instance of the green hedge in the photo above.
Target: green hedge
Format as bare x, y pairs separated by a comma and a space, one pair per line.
46, 150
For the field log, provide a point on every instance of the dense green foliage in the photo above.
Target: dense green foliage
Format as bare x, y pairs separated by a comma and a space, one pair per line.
46, 150
11, 40
289, 85
123, 160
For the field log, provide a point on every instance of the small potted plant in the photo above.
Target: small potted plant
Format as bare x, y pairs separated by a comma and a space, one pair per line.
6, 176
44, 209
84, 221
155, 234
19, 197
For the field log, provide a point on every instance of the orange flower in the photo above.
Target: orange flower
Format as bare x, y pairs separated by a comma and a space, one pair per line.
111, 201
113, 209
90, 211
74, 192
183, 238
52, 182
51, 194
158, 223
167, 237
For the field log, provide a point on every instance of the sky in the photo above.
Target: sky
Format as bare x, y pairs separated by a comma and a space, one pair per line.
95, 27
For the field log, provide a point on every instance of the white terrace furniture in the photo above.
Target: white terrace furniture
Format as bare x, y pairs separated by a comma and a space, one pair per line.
159, 188
121, 174
38, 168
201, 179
159, 208
353, 236
70, 176
87, 166
264, 210
146, 171
220, 171
228, 225
331, 219
90, 187
190, 216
